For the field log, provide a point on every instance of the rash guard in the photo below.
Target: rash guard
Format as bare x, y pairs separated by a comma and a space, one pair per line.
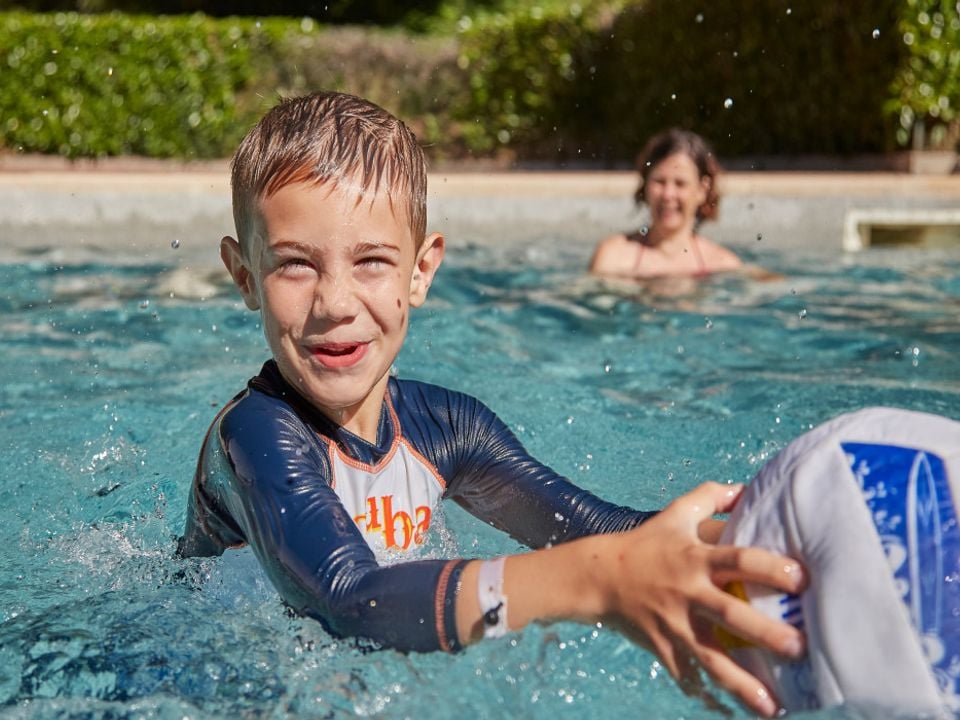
336, 521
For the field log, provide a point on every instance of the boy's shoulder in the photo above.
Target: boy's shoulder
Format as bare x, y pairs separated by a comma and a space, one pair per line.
419, 396
406, 389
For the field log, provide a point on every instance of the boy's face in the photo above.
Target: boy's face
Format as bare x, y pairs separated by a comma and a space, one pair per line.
334, 278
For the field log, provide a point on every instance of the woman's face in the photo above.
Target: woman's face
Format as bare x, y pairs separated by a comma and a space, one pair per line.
674, 191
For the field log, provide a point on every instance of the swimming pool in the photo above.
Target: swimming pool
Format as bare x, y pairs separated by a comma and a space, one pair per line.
109, 384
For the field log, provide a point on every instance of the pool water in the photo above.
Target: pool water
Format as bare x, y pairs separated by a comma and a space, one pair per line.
637, 394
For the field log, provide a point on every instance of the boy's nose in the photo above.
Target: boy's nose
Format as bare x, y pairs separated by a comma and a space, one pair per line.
334, 300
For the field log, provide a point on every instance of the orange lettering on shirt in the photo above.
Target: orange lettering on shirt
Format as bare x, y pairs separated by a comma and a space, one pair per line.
423, 524
390, 524
373, 519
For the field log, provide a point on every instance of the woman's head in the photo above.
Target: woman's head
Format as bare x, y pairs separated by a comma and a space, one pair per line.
681, 142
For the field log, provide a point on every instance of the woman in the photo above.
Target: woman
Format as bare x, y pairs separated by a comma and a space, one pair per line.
678, 183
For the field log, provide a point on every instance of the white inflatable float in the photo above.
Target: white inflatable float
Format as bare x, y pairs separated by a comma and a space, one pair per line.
868, 503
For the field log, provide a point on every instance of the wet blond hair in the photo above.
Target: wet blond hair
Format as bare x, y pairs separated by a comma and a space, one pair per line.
329, 137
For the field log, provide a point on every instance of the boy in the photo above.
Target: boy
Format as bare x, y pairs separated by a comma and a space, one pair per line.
328, 467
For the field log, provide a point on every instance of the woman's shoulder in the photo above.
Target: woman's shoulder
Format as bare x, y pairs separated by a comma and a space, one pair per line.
716, 257
613, 253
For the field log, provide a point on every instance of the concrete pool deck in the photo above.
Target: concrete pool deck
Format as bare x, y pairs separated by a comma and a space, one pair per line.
141, 208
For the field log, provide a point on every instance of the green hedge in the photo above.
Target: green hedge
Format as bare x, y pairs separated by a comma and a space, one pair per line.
551, 82
190, 87
755, 76
414, 76
87, 85
926, 90
526, 78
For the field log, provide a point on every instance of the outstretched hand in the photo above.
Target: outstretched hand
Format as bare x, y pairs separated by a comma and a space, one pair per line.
669, 596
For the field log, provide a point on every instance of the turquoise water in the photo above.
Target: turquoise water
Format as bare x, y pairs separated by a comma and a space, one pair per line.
109, 383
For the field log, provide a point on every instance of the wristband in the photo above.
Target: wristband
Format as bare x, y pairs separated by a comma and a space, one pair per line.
493, 603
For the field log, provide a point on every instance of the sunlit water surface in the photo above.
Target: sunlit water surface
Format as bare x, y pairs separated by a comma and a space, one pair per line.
109, 383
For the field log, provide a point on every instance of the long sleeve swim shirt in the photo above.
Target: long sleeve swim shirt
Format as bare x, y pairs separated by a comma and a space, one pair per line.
333, 518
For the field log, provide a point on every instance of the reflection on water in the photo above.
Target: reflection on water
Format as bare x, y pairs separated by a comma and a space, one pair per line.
112, 373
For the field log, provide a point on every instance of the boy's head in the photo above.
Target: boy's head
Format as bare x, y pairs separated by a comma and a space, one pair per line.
329, 138
329, 199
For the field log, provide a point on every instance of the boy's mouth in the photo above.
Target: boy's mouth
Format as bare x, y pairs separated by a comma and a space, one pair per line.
339, 355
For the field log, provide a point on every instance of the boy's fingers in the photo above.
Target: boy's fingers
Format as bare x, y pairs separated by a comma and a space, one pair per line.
745, 687
704, 501
710, 530
756, 565
741, 619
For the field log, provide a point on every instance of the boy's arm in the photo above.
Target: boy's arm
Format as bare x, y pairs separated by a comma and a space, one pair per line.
496, 479
265, 474
660, 585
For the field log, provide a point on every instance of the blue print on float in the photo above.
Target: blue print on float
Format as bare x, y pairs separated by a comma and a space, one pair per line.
909, 497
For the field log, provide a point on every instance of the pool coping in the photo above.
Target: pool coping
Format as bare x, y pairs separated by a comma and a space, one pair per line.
214, 177
138, 208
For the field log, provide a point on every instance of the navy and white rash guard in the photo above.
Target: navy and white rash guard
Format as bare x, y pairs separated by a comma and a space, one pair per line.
323, 509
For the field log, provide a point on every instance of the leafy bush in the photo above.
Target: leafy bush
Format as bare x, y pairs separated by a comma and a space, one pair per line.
926, 90
82, 85
756, 76
190, 87
528, 80
415, 77
547, 82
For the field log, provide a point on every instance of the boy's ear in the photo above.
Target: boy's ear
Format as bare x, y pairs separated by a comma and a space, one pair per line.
233, 259
429, 257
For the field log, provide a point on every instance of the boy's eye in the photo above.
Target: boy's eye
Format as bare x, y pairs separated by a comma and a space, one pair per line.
373, 262
294, 264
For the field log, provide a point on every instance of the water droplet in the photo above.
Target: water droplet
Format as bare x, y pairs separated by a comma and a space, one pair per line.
699, 17
728, 103
876, 33
373, 603
175, 243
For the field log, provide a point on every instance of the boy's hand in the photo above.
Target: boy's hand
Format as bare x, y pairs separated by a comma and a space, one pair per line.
666, 592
